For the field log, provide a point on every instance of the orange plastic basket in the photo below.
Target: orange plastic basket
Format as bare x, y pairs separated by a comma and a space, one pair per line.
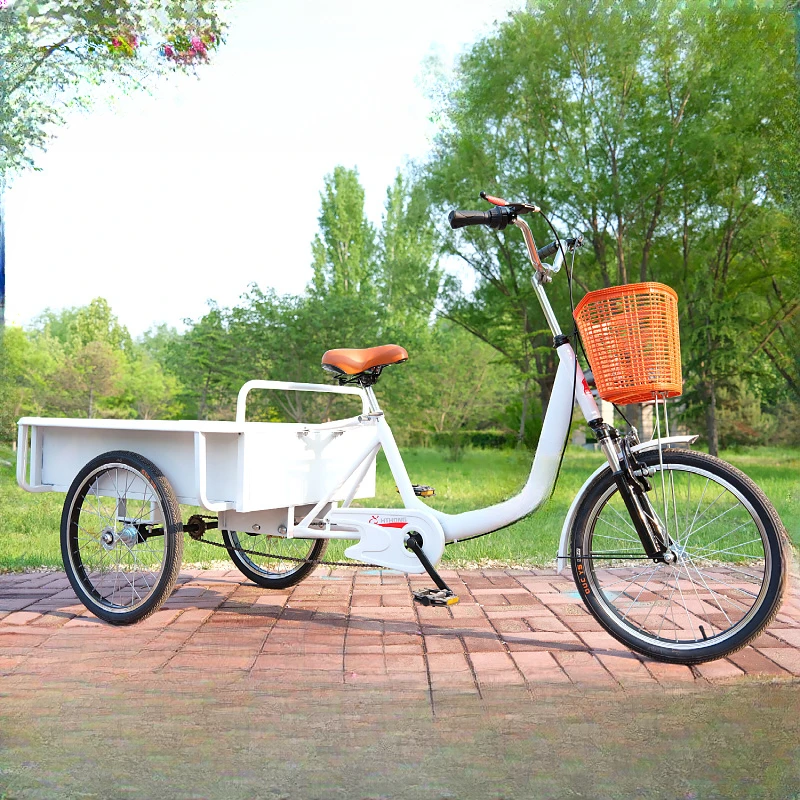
631, 338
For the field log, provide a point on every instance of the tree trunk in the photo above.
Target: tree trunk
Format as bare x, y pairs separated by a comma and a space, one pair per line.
203, 397
91, 402
711, 419
633, 412
524, 415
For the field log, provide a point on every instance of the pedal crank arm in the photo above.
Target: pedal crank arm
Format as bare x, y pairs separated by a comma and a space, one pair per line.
443, 595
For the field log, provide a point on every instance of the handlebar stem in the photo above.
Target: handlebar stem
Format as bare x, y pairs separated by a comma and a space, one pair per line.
540, 277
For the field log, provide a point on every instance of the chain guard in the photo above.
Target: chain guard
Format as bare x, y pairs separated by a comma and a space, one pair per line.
383, 533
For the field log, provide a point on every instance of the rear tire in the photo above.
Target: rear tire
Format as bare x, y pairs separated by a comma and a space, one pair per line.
121, 537
729, 575
273, 573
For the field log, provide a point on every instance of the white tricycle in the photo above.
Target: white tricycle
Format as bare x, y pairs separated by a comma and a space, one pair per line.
677, 554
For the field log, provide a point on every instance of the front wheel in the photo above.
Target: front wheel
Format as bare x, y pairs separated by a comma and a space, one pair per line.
728, 575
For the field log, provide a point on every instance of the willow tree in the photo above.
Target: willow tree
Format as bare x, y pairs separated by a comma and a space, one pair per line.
53, 52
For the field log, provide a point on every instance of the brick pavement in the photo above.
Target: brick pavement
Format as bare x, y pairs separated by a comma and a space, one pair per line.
523, 630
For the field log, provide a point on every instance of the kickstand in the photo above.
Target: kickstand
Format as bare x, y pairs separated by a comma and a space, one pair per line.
443, 595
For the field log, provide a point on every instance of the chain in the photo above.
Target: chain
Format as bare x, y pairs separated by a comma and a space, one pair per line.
315, 561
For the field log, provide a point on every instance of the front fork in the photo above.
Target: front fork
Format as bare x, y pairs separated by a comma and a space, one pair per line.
632, 481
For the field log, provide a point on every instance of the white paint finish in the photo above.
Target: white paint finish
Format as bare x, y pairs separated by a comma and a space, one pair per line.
219, 465
282, 465
169, 425
66, 450
379, 542
268, 520
283, 386
543, 472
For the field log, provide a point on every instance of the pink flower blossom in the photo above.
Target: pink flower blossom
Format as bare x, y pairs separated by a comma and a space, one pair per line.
168, 51
197, 44
115, 42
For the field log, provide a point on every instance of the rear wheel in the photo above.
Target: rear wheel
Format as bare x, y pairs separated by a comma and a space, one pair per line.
274, 571
729, 570
121, 537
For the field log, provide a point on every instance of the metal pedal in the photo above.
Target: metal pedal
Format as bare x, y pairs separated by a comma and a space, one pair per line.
443, 595
421, 491
435, 597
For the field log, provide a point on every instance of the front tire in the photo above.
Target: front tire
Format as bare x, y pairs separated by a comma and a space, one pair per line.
729, 574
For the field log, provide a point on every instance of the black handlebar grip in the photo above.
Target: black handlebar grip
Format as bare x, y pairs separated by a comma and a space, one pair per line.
460, 219
496, 218
547, 250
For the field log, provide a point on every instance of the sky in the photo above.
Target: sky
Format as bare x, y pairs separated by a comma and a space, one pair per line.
161, 202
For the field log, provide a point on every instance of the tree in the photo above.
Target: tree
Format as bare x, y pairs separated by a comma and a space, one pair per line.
408, 269
454, 385
52, 52
207, 361
614, 116
93, 371
343, 249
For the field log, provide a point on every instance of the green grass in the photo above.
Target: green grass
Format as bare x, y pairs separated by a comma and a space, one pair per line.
29, 523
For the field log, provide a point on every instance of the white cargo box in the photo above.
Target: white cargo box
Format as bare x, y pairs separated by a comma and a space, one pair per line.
240, 466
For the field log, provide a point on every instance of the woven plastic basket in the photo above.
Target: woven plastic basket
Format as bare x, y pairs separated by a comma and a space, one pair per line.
631, 338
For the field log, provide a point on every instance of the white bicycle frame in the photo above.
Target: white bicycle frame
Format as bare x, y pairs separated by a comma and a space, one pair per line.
570, 386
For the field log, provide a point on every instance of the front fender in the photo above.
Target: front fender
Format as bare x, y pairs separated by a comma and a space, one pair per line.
563, 545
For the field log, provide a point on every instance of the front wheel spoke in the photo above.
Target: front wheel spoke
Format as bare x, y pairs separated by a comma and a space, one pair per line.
711, 521
727, 586
683, 601
708, 589
700, 503
704, 551
748, 521
624, 536
752, 578
711, 591
635, 599
670, 609
624, 519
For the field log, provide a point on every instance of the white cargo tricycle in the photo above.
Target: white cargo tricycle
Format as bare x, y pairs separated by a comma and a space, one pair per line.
677, 554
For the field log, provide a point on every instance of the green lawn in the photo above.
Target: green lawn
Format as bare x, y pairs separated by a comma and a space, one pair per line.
29, 523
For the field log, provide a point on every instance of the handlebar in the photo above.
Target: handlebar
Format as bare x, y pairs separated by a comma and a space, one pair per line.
503, 214
496, 218
549, 249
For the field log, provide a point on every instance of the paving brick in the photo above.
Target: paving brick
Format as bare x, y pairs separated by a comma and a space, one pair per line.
491, 661
755, 663
537, 634
789, 635
544, 640
584, 668
789, 659
540, 667
667, 674
721, 669
627, 670
20, 618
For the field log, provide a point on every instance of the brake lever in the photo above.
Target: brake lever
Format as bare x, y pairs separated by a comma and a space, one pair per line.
517, 208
